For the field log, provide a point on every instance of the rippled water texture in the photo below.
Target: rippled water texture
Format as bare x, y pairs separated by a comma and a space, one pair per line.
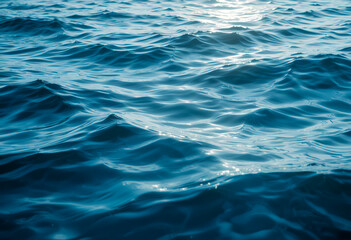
175, 119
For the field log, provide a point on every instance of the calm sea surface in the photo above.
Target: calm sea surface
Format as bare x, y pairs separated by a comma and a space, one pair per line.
175, 119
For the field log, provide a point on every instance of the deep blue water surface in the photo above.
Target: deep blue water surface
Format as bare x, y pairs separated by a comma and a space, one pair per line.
204, 119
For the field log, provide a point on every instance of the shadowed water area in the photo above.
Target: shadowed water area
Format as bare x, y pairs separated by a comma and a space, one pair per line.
175, 119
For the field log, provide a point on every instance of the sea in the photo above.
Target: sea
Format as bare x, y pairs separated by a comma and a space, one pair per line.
149, 119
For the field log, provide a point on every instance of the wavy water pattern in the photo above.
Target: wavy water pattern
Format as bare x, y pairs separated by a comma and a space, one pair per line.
205, 119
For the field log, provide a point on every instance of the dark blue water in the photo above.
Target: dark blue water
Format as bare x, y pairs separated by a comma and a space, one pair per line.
177, 119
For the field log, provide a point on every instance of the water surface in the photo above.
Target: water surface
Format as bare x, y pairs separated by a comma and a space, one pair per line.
175, 119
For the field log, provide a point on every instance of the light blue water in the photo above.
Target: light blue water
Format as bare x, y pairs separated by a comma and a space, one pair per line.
175, 119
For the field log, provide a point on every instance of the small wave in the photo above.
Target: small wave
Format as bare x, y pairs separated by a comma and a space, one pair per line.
36, 97
296, 32
246, 207
266, 118
105, 15
241, 75
16, 7
202, 40
31, 26
327, 72
111, 56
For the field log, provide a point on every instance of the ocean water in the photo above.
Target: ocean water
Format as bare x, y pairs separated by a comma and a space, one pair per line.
147, 119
